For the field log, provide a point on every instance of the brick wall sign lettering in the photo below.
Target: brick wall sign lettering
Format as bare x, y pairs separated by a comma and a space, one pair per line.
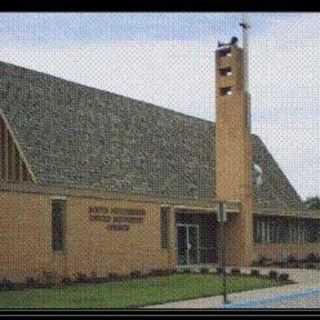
98, 210
126, 211
99, 214
128, 219
118, 227
117, 219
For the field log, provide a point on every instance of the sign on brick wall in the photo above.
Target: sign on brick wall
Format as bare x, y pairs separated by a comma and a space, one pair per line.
117, 219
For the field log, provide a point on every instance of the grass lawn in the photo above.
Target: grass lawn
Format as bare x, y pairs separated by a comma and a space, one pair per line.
130, 293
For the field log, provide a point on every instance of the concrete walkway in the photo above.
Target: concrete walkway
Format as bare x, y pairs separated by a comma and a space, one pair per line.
308, 283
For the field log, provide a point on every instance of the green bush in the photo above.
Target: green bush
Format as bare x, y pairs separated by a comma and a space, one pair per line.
235, 271
254, 263
66, 281
262, 260
113, 276
283, 277
292, 259
204, 270
31, 282
312, 258
219, 270
273, 275
295, 265
81, 277
49, 278
93, 278
160, 272
255, 273
135, 274
6, 284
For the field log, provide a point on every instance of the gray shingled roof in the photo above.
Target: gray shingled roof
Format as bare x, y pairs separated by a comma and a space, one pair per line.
72, 134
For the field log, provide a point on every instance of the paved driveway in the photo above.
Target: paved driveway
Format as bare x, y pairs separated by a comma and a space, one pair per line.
304, 294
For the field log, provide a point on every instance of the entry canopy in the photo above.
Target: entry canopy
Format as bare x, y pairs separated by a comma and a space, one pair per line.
230, 206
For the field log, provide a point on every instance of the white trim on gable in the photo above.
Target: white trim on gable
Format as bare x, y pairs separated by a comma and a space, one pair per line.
21, 154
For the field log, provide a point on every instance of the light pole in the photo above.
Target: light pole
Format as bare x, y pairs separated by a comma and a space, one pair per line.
222, 219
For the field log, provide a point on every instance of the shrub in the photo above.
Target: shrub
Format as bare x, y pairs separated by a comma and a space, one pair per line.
66, 280
283, 277
158, 272
219, 270
255, 273
254, 263
31, 282
49, 278
93, 277
263, 261
204, 270
155, 272
6, 284
103, 279
168, 272
81, 277
235, 271
114, 276
310, 266
273, 275
291, 259
312, 258
135, 274
187, 270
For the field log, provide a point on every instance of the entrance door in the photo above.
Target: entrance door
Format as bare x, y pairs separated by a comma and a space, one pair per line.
188, 244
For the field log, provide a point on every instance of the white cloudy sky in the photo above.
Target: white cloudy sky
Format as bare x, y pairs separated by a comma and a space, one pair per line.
168, 59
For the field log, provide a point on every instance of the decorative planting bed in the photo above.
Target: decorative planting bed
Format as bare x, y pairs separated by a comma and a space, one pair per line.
134, 290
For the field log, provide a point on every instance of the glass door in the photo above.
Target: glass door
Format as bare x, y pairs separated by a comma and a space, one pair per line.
182, 245
193, 244
187, 244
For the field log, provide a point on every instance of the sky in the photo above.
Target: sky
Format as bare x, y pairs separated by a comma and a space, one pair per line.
168, 59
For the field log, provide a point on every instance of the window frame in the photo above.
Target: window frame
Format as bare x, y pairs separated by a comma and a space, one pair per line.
164, 227
61, 238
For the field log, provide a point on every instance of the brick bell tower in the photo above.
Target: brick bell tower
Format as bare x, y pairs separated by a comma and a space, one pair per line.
233, 150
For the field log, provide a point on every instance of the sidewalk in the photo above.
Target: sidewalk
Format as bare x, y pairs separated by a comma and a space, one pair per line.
308, 281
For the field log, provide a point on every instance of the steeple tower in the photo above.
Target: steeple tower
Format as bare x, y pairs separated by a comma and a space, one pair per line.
233, 146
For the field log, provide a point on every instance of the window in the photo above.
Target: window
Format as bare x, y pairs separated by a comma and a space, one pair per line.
227, 71
293, 232
226, 91
226, 52
164, 227
281, 230
284, 233
273, 231
313, 231
57, 215
257, 229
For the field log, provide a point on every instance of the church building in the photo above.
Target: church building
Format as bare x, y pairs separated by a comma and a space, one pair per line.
95, 182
